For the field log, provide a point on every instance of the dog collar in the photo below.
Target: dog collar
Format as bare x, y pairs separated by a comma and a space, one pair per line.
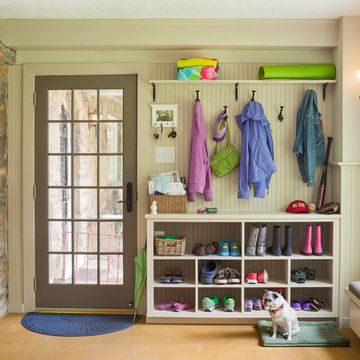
278, 309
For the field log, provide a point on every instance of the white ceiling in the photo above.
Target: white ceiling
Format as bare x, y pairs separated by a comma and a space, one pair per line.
113, 9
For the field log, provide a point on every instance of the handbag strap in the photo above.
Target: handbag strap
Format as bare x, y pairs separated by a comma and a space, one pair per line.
228, 138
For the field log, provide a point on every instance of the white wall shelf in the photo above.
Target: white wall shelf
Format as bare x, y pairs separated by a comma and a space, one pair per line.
236, 83
207, 228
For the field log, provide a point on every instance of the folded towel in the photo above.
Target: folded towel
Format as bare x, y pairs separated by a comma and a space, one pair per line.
185, 63
197, 73
298, 72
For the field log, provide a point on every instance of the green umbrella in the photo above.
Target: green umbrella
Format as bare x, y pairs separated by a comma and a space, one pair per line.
140, 277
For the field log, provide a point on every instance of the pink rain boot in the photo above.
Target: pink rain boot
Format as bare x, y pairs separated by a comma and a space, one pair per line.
317, 249
306, 249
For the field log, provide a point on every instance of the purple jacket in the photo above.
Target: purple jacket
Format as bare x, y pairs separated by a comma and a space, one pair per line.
199, 178
257, 151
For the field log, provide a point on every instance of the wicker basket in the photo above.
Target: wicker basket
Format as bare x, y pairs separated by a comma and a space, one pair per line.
169, 203
170, 247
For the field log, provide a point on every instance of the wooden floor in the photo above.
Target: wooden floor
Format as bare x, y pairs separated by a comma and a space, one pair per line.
144, 341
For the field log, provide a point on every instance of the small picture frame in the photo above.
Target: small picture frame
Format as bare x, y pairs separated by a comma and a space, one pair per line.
164, 114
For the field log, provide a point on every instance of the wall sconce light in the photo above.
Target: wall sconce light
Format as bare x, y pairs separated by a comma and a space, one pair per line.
358, 78
93, 117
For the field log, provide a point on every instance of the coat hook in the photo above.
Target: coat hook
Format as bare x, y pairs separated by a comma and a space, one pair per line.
280, 117
253, 95
236, 91
225, 112
197, 95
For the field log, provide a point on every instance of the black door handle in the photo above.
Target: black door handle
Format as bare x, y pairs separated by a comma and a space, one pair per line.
128, 197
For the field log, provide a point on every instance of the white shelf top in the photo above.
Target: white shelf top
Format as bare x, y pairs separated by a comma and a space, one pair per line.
219, 286
311, 284
224, 82
269, 284
228, 216
181, 285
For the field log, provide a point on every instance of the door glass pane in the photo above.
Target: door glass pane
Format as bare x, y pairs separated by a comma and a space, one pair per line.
109, 208
59, 170
111, 137
111, 270
85, 104
111, 104
85, 237
59, 137
85, 170
111, 237
60, 269
85, 269
85, 204
59, 204
60, 105
111, 170
85, 139
60, 236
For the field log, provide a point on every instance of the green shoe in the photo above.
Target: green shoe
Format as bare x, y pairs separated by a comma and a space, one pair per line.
210, 303
229, 303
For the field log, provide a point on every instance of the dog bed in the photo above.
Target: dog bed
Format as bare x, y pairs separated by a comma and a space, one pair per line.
312, 333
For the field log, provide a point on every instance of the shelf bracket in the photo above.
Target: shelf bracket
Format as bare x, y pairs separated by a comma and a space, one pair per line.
154, 92
324, 91
236, 91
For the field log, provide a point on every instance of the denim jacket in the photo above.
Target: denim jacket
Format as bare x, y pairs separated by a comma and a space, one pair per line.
309, 145
257, 151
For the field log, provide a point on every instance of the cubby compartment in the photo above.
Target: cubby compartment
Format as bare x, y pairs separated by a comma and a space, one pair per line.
254, 293
277, 272
222, 263
298, 235
323, 272
201, 232
324, 294
182, 295
220, 292
186, 267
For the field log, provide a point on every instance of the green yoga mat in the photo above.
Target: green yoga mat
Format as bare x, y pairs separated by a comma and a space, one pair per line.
298, 72
312, 333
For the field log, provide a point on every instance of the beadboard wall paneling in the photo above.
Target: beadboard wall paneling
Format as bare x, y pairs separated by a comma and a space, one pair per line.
286, 184
350, 231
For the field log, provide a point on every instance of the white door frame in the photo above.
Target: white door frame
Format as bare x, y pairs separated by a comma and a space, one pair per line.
26, 297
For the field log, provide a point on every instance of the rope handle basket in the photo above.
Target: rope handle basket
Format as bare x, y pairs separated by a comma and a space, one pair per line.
170, 247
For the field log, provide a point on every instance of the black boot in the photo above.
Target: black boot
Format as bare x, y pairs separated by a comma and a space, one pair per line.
286, 250
275, 247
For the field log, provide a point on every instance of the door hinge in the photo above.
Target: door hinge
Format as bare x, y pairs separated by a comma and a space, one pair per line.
34, 98
35, 284
137, 196
34, 192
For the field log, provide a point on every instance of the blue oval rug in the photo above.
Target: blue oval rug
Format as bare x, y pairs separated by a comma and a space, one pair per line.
67, 324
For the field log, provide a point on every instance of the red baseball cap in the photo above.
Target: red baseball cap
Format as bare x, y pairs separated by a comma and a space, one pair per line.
297, 206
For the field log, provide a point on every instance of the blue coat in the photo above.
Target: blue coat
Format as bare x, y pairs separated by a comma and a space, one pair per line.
309, 145
257, 151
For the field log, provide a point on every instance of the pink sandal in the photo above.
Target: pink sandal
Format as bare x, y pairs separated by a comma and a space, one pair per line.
168, 305
180, 307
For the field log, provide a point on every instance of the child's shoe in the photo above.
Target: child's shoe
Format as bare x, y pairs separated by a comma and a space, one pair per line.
223, 249
228, 302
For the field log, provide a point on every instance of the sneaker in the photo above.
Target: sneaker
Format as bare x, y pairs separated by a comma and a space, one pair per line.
177, 277
208, 272
223, 249
248, 304
180, 307
233, 276
263, 277
251, 277
257, 304
210, 303
228, 302
234, 248
221, 277
166, 277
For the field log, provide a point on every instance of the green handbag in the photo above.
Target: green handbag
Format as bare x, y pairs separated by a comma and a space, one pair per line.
226, 160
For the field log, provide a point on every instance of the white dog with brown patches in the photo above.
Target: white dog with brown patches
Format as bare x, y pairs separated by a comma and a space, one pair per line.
283, 316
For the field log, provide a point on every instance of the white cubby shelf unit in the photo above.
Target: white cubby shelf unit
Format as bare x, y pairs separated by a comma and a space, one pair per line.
206, 228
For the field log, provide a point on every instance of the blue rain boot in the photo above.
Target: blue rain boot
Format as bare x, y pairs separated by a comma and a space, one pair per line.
286, 250
275, 247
